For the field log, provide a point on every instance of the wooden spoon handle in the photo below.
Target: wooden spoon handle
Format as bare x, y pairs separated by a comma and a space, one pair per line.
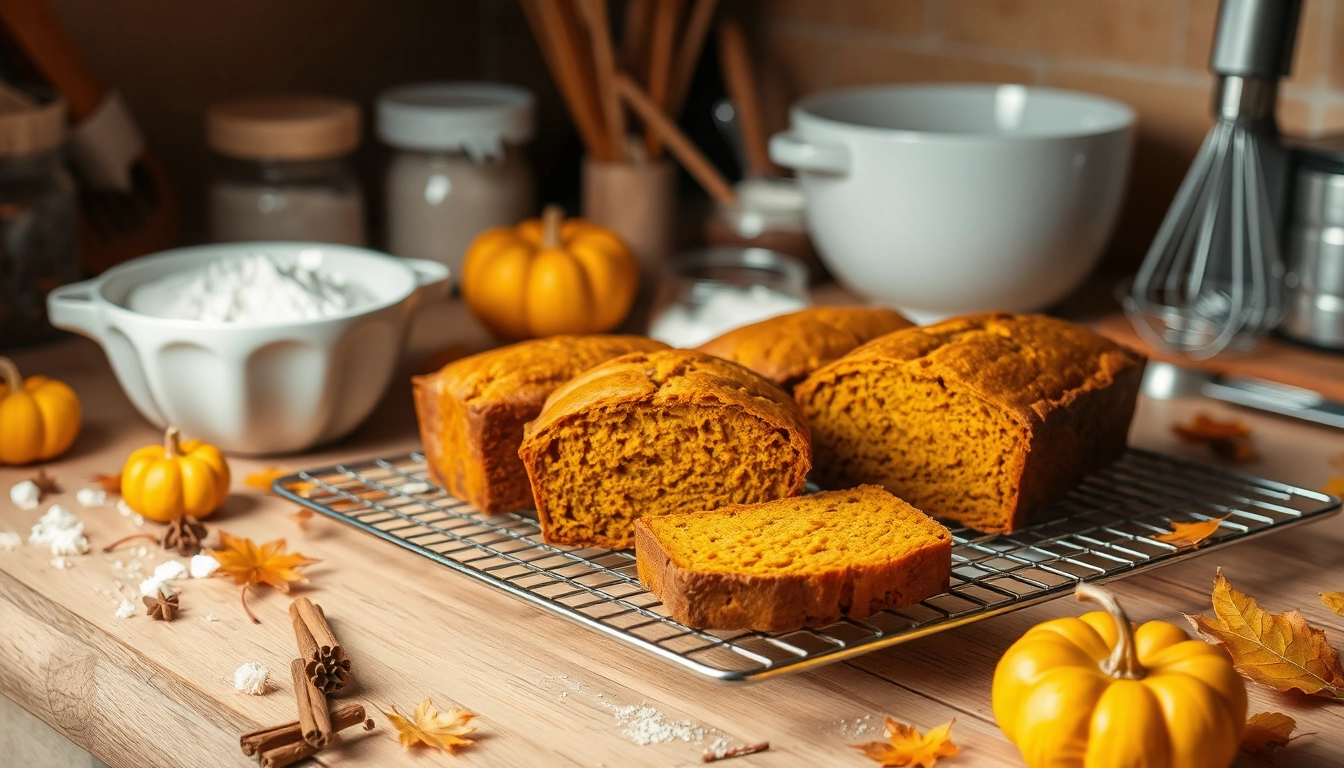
39, 33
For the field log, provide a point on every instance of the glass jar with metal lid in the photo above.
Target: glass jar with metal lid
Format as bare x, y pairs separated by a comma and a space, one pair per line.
39, 249
284, 171
1314, 246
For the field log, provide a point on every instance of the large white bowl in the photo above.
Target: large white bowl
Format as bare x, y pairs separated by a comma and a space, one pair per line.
946, 199
256, 388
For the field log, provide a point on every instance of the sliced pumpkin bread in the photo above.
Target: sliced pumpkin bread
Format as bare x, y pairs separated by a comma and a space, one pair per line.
792, 563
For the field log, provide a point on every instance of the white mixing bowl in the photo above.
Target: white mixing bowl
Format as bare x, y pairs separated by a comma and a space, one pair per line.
946, 199
255, 388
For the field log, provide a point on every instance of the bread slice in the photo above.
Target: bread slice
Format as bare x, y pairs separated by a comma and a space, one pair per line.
801, 562
785, 349
985, 419
657, 432
472, 411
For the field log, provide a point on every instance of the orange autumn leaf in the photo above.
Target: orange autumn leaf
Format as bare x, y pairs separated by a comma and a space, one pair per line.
1334, 601
1280, 651
109, 483
1229, 439
301, 488
444, 731
1334, 486
250, 565
1265, 730
1191, 533
906, 747
262, 479
302, 517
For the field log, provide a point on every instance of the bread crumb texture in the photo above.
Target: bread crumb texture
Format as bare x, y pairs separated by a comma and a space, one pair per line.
656, 433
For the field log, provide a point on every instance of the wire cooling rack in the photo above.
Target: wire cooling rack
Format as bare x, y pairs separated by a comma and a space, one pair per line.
1103, 531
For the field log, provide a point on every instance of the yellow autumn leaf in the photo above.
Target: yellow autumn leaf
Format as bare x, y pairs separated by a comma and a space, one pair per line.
250, 564
262, 479
1280, 650
906, 747
1334, 601
1334, 486
1191, 533
445, 731
1265, 730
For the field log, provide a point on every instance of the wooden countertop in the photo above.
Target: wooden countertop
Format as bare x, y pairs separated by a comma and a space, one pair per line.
139, 693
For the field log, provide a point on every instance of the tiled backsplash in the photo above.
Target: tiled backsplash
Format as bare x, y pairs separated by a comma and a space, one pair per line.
1152, 54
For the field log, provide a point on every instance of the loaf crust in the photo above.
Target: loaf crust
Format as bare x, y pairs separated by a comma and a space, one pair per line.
654, 386
472, 411
786, 349
1062, 398
698, 592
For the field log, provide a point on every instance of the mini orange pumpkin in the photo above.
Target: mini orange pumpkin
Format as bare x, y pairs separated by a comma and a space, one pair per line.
165, 482
39, 417
549, 276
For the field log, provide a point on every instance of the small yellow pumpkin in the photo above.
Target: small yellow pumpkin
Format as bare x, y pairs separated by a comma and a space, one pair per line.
39, 417
549, 276
1094, 691
165, 482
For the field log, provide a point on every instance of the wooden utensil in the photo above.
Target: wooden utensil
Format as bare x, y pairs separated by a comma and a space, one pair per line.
604, 66
119, 224
556, 26
688, 53
741, 83
691, 158
661, 45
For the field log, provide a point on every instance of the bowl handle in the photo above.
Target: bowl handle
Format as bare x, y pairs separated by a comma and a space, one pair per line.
72, 307
793, 151
432, 280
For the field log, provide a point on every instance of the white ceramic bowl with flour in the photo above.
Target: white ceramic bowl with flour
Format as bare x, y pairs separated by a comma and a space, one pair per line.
259, 348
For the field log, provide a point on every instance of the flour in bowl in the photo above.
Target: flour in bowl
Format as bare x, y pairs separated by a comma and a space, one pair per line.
250, 289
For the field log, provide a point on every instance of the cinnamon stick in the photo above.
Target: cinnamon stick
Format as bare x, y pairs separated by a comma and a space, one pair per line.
691, 158
665, 13
314, 718
688, 53
287, 755
604, 66
325, 662
266, 739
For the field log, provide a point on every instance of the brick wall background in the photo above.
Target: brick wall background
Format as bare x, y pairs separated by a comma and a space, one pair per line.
1152, 54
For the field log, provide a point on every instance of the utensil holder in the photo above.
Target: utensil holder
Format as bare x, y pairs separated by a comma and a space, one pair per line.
638, 202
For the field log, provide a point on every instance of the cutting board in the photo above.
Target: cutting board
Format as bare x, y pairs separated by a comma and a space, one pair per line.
1273, 359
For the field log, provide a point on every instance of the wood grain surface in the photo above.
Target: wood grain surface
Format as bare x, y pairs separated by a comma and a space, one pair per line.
139, 693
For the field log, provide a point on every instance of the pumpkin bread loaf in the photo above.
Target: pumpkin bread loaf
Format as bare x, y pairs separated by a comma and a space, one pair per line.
791, 563
472, 411
985, 419
657, 432
785, 349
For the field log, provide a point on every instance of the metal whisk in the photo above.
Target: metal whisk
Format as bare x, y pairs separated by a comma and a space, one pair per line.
1212, 279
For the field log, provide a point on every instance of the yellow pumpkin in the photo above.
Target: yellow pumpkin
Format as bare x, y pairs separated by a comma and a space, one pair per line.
1094, 691
165, 482
549, 276
39, 417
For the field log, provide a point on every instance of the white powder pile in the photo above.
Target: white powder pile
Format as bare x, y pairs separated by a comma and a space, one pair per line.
91, 497
719, 308
202, 566
62, 530
25, 495
252, 678
256, 288
645, 725
10, 541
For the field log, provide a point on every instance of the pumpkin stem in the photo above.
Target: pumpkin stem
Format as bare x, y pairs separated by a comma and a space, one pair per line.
9, 375
172, 443
1123, 663
552, 216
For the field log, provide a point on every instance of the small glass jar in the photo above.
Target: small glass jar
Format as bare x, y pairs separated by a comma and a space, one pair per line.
283, 171
708, 292
459, 168
39, 248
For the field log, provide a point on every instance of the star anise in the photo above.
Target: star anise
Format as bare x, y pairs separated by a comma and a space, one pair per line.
184, 535
162, 608
46, 484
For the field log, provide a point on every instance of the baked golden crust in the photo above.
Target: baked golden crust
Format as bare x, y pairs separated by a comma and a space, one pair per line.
1032, 403
800, 562
472, 411
787, 348
654, 432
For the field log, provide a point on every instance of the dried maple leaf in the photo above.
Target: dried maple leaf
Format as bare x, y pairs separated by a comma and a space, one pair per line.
445, 731
1191, 533
1265, 730
1280, 651
1334, 486
262, 479
904, 746
109, 483
301, 488
1334, 601
1229, 439
46, 484
249, 564
302, 517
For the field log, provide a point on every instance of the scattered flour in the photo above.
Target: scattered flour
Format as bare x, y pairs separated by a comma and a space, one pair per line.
202, 566
62, 563
91, 497
25, 495
645, 725
62, 531
126, 610
170, 570
124, 509
10, 541
156, 587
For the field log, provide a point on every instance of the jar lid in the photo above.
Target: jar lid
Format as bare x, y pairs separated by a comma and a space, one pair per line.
30, 125
476, 118
289, 127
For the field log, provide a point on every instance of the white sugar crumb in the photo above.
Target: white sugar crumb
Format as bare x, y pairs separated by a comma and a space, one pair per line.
124, 508
718, 748
10, 541
60, 529
211, 617
154, 587
645, 725
138, 521
25, 495
170, 570
414, 488
252, 678
142, 551
859, 727
126, 610
202, 566
91, 497
61, 563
